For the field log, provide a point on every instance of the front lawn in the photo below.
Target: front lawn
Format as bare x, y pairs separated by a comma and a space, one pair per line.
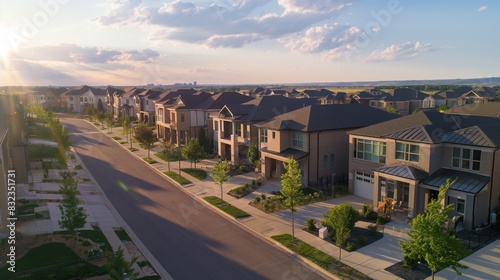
40, 131
26, 209
179, 179
174, 157
38, 152
226, 207
199, 174
54, 165
116, 138
98, 237
149, 160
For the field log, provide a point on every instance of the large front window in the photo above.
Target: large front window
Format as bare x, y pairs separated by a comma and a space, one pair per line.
466, 159
160, 115
297, 139
408, 152
369, 150
263, 135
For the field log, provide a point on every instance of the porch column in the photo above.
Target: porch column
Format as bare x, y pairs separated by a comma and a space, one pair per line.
376, 189
412, 200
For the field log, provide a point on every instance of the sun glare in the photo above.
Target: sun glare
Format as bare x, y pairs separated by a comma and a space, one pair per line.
6, 45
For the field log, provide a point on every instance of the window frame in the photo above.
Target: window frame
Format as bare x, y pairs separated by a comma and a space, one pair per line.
297, 139
406, 153
471, 162
377, 153
263, 135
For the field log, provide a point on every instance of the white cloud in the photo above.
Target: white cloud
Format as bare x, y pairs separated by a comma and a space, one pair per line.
71, 53
482, 8
399, 52
223, 24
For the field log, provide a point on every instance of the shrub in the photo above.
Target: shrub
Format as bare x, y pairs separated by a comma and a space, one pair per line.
361, 239
381, 220
86, 243
257, 199
409, 262
350, 247
365, 208
263, 196
94, 252
253, 182
246, 185
373, 229
371, 215
243, 169
311, 224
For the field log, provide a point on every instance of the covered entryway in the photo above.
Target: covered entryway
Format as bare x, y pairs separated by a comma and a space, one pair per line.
363, 185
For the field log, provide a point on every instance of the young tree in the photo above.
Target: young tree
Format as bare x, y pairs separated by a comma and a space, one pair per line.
119, 268
109, 121
341, 219
100, 117
204, 141
193, 151
220, 174
253, 153
145, 136
100, 106
291, 182
168, 150
125, 122
391, 109
429, 239
443, 108
72, 216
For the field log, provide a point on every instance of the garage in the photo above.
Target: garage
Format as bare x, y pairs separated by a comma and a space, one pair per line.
363, 185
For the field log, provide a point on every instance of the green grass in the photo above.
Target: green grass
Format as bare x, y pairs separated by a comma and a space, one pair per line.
116, 138
38, 152
71, 156
199, 174
54, 165
318, 257
133, 149
226, 207
78, 167
26, 209
149, 160
123, 142
173, 157
98, 237
39, 131
179, 179
50, 254
122, 234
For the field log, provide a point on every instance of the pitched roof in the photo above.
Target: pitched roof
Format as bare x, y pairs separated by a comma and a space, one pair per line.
268, 106
405, 94
403, 171
290, 152
454, 93
435, 127
464, 181
190, 101
172, 94
491, 109
78, 91
218, 100
328, 117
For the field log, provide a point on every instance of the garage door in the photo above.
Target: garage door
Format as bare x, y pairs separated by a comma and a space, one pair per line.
364, 185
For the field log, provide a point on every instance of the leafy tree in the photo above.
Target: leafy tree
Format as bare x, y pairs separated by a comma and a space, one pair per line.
168, 150
100, 106
291, 182
204, 141
220, 174
341, 219
125, 122
193, 151
89, 110
429, 239
100, 117
391, 109
416, 110
109, 121
443, 108
72, 216
119, 268
253, 153
145, 136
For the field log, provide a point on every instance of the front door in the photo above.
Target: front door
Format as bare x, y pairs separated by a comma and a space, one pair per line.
433, 195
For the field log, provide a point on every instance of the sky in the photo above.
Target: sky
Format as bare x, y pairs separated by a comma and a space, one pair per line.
138, 42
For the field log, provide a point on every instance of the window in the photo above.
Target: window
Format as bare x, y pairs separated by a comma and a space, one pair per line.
173, 117
71, 98
127, 101
237, 127
460, 206
274, 134
408, 152
332, 160
245, 130
390, 189
466, 159
147, 102
216, 125
159, 118
263, 135
85, 99
369, 150
297, 140
81, 99
325, 161
182, 117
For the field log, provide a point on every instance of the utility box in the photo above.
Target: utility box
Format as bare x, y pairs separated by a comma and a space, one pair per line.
323, 232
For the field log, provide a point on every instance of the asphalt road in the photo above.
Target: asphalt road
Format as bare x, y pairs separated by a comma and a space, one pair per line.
188, 239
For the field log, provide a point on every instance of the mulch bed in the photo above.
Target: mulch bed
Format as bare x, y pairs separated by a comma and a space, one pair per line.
419, 272
355, 237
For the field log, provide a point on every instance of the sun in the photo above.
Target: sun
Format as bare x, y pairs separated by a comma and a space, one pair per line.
6, 45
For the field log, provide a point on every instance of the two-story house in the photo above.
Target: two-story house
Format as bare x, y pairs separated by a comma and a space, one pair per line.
234, 126
76, 99
48, 98
407, 100
124, 102
316, 136
481, 95
409, 158
453, 97
145, 105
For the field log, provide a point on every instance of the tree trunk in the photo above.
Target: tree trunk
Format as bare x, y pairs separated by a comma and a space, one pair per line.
293, 227
432, 274
340, 253
221, 192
